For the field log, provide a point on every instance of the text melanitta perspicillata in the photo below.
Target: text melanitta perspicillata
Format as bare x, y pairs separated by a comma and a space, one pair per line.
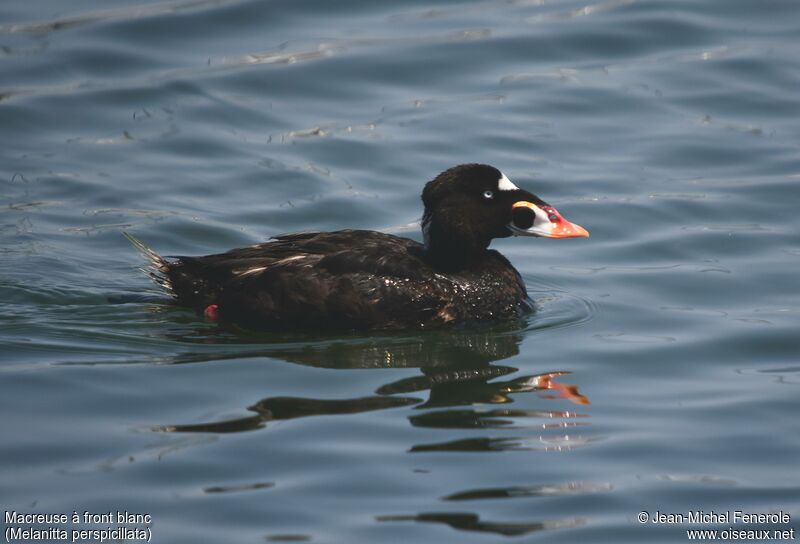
359, 279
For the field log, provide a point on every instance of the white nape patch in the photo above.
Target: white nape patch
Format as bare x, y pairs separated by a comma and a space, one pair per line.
504, 184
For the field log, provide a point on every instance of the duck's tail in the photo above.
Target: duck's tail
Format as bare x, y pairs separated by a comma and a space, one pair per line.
158, 266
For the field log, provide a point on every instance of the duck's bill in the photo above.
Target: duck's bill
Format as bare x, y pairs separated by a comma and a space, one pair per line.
529, 219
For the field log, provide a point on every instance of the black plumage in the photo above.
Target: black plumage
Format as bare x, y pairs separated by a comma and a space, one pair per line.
358, 279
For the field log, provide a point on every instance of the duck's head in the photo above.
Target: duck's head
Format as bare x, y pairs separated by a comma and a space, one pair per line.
469, 205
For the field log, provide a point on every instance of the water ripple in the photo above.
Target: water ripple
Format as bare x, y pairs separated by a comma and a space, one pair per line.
120, 14
658, 370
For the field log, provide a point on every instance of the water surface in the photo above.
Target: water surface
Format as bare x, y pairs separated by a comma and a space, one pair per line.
660, 371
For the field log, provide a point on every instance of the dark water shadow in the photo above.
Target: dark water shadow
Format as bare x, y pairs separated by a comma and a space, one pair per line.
282, 408
466, 521
540, 490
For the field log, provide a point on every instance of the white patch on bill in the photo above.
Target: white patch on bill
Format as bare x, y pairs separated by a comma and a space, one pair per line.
542, 220
504, 184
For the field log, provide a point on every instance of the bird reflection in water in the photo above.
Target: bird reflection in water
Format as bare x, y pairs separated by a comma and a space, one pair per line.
456, 370
465, 391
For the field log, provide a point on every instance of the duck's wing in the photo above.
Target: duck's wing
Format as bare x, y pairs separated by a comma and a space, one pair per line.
290, 271
358, 279
199, 281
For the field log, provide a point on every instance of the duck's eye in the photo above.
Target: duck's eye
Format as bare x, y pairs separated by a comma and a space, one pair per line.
488, 194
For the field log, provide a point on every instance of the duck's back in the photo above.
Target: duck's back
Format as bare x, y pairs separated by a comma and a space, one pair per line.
344, 279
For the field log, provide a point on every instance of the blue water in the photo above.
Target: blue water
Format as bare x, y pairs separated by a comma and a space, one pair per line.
660, 372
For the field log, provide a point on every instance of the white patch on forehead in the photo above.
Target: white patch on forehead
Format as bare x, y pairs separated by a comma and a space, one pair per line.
504, 184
